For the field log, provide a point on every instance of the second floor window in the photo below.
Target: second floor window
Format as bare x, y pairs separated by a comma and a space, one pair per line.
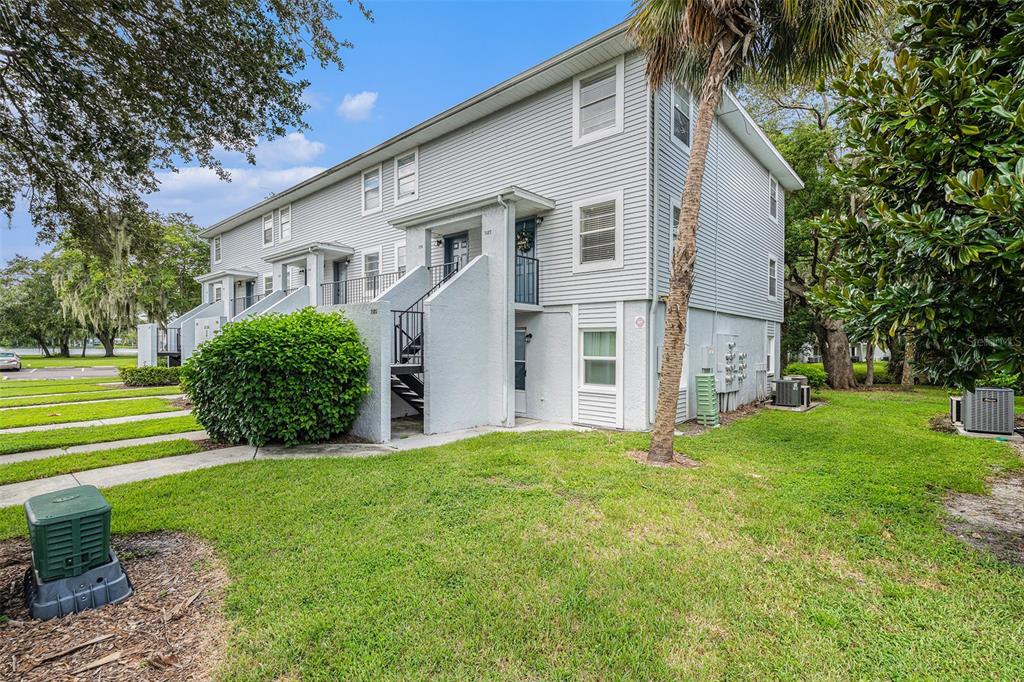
268, 229
773, 278
681, 115
284, 218
773, 197
598, 244
216, 250
406, 177
371, 191
597, 103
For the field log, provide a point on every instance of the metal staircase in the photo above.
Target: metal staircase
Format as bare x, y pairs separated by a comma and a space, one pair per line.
407, 362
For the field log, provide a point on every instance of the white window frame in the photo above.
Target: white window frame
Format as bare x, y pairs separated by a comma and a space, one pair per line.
218, 292
620, 88
380, 260
400, 244
577, 210
599, 388
672, 117
416, 164
673, 225
263, 229
769, 344
773, 196
280, 223
773, 271
216, 247
266, 289
379, 168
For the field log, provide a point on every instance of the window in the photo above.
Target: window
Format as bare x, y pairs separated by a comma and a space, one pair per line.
406, 177
773, 197
597, 103
284, 221
773, 277
400, 256
268, 284
769, 348
218, 292
674, 228
598, 244
520, 359
371, 190
268, 229
371, 268
681, 115
216, 250
599, 357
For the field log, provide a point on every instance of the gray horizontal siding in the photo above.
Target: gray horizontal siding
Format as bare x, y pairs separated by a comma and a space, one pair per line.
592, 314
598, 409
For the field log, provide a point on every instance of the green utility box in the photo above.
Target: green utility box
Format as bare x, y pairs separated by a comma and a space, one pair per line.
707, 400
69, 530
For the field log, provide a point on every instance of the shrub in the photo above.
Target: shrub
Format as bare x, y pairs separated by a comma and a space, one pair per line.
288, 379
150, 376
814, 372
860, 371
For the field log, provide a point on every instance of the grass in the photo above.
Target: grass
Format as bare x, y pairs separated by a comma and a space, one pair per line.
38, 361
67, 464
80, 435
91, 395
805, 546
38, 416
40, 386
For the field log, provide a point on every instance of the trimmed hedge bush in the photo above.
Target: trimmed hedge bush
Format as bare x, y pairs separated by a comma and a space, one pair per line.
289, 379
815, 373
150, 376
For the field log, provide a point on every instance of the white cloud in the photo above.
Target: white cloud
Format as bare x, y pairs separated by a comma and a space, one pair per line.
208, 199
357, 107
293, 148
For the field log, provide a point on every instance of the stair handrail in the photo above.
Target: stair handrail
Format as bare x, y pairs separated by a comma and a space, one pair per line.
449, 271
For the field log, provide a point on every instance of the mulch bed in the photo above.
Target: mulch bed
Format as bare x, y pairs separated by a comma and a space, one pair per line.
692, 428
172, 628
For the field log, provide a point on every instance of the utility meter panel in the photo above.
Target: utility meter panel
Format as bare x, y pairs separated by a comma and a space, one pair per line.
207, 328
732, 363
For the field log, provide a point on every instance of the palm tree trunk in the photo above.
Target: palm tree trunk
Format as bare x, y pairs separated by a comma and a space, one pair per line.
684, 256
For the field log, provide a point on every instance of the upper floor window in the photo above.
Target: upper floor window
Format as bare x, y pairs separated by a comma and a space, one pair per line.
406, 177
773, 197
216, 250
400, 256
681, 115
218, 292
598, 243
284, 221
268, 284
371, 190
773, 277
598, 102
268, 229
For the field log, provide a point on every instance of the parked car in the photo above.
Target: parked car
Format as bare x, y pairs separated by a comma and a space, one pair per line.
9, 360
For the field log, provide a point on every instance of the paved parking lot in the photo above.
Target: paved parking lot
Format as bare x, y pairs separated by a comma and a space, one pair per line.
60, 373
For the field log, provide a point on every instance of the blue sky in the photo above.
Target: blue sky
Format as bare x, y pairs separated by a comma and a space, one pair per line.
415, 60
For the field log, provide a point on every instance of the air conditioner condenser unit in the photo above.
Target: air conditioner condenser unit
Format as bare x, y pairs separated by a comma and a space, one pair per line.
988, 410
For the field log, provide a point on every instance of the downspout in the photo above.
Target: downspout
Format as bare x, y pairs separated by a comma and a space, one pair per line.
504, 336
652, 347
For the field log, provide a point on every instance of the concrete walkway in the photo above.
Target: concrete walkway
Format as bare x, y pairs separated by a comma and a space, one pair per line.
94, 447
168, 396
98, 422
62, 373
17, 493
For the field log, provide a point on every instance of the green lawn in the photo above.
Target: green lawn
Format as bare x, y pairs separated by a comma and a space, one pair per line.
61, 414
90, 395
68, 464
37, 361
806, 546
41, 386
80, 435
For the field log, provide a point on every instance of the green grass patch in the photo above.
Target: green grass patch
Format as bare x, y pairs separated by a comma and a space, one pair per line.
805, 546
68, 464
91, 395
80, 435
38, 361
37, 416
39, 386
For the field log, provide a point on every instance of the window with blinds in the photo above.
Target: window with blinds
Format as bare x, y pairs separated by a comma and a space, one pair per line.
406, 177
268, 229
216, 249
371, 190
681, 115
284, 219
598, 103
597, 233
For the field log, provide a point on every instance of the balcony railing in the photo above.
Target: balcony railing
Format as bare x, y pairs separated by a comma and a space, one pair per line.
358, 290
242, 302
168, 341
527, 280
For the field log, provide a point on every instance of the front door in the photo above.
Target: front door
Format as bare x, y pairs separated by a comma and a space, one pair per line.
520, 362
456, 251
250, 289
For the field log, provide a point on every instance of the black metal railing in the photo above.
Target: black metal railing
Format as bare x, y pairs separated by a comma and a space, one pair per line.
527, 280
408, 336
168, 341
243, 302
358, 290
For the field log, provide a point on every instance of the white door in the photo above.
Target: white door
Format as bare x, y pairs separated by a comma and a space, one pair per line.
520, 364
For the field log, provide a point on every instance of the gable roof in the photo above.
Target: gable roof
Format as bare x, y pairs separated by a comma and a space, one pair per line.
595, 51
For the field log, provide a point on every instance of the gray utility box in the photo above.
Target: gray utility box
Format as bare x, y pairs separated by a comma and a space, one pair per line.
988, 410
106, 584
788, 393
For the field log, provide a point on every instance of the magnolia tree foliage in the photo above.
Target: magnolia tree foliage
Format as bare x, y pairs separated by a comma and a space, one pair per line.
97, 95
936, 133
